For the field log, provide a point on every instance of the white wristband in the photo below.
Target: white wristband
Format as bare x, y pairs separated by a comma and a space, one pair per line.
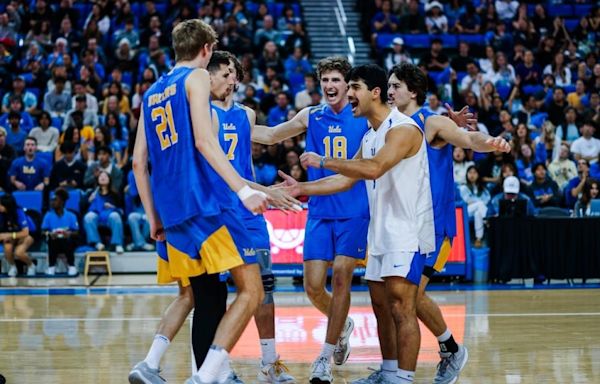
246, 192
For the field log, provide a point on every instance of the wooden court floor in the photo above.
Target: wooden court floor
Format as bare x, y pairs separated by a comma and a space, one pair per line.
516, 336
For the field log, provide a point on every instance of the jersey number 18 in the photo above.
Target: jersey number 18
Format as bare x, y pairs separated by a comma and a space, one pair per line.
335, 148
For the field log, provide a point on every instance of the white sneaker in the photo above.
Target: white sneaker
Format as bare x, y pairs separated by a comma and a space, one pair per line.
50, 271
274, 373
31, 270
72, 271
342, 348
148, 247
130, 247
99, 246
12, 272
119, 249
321, 371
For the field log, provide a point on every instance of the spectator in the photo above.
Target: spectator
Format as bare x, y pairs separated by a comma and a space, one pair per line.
302, 98
529, 72
264, 172
137, 220
7, 154
67, 32
568, 132
435, 106
149, 14
459, 63
96, 71
14, 234
412, 22
562, 169
297, 64
384, 21
45, 135
9, 27
16, 136
511, 188
485, 64
477, 197
266, 33
298, 38
67, 172
502, 73
574, 98
28, 99
58, 101
575, 185
490, 168
436, 22
270, 58
89, 117
129, 33
521, 137
435, 59
507, 9
461, 165
91, 101
544, 189
25, 120
525, 159
587, 147
489, 17
104, 210
547, 145
398, 55
556, 107
591, 191
278, 114
29, 173
103, 163
287, 19
541, 21
469, 22
502, 41
473, 81
61, 229
562, 73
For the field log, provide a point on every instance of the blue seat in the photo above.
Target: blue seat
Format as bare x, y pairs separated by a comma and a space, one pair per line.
275, 9
138, 9
384, 40
532, 89
571, 24
569, 88
472, 39
161, 8
74, 200
297, 10
530, 10
127, 78
48, 157
29, 199
460, 75
449, 41
35, 91
251, 8
57, 122
580, 10
417, 41
296, 81
503, 91
564, 10
538, 119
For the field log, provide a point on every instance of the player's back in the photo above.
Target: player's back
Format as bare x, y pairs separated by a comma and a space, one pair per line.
336, 135
179, 174
442, 181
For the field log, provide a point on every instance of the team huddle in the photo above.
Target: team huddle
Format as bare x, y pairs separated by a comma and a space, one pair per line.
380, 179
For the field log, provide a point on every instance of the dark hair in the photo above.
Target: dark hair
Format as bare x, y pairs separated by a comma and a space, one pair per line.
479, 183
414, 78
32, 139
62, 194
67, 147
217, 59
334, 63
118, 127
537, 165
10, 204
586, 193
373, 76
46, 115
80, 98
105, 149
239, 70
107, 137
69, 133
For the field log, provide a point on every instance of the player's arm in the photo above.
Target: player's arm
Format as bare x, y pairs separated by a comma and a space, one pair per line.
207, 144
447, 130
273, 135
142, 180
400, 142
325, 186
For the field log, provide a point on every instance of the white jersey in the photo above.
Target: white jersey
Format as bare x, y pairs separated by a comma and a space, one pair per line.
400, 200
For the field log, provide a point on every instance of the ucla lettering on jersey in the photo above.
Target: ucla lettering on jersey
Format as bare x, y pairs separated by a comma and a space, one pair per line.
180, 177
442, 181
336, 135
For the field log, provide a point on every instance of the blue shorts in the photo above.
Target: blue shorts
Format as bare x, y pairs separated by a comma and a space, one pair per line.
258, 232
327, 238
204, 244
437, 260
396, 264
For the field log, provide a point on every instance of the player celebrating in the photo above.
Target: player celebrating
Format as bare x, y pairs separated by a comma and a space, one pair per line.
393, 160
336, 229
180, 202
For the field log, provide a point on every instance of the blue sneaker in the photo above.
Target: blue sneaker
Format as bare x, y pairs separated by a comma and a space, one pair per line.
143, 374
451, 365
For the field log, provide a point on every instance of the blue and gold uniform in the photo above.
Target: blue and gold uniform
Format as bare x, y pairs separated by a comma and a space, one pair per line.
202, 235
337, 224
442, 194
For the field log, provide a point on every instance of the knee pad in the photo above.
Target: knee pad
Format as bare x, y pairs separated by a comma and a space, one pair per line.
269, 286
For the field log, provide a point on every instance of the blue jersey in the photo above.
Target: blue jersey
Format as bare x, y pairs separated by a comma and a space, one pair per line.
441, 176
235, 139
339, 136
180, 176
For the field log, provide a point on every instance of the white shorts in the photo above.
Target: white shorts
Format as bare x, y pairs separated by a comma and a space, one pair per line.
400, 264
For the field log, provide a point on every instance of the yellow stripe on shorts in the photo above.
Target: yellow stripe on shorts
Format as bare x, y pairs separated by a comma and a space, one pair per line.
219, 253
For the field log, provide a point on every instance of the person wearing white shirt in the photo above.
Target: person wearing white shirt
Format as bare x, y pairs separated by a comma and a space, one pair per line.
587, 147
507, 9
473, 81
460, 165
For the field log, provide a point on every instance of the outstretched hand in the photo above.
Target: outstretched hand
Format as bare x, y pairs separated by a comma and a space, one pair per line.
310, 159
289, 185
279, 198
499, 144
462, 118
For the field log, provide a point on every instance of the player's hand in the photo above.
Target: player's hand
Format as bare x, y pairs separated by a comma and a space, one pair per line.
290, 185
310, 159
255, 201
280, 199
462, 118
157, 232
499, 144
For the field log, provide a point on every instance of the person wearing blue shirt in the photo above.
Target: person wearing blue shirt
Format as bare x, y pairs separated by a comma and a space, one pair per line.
25, 119
61, 228
575, 185
136, 218
15, 134
14, 235
296, 63
278, 114
29, 173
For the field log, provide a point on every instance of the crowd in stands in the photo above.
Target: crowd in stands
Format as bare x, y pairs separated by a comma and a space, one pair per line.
72, 77
528, 70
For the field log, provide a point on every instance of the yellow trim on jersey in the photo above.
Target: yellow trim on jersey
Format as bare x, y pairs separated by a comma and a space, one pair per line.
443, 255
219, 253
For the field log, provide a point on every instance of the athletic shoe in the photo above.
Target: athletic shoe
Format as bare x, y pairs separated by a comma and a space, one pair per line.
451, 365
373, 378
31, 270
72, 271
148, 247
51, 271
231, 379
99, 247
12, 271
321, 371
143, 374
130, 247
119, 249
276, 372
342, 348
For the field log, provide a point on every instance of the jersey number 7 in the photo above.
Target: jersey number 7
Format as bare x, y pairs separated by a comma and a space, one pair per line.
165, 115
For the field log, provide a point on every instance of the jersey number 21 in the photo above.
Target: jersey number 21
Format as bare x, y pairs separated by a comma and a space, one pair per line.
165, 115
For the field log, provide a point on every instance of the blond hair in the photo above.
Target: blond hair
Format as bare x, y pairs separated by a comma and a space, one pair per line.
190, 36
333, 63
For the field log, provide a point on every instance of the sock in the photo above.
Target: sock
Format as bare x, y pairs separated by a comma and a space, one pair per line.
157, 350
210, 370
224, 372
269, 355
327, 351
447, 343
389, 365
405, 376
